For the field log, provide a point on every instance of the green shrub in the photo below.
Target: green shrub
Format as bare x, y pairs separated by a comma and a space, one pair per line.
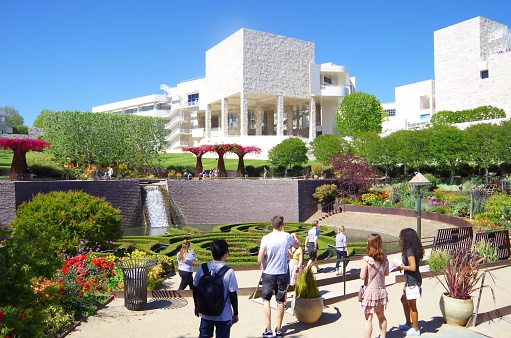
306, 285
58, 222
433, 180
325, 193
438, 260
486, 250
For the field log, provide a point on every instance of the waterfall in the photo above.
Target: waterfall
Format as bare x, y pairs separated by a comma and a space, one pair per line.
155, 207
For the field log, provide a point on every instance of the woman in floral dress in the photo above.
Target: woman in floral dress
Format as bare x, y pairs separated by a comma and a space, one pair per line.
375, 267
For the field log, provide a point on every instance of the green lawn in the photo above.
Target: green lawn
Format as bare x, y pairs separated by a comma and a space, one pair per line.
189, 160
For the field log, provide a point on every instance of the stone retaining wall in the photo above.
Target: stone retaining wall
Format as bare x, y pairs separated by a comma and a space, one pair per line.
124, 195
239, 200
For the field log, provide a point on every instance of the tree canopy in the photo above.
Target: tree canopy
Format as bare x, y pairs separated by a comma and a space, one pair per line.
291, 151
325, 146
359, 112
15, 120
86, 138
353, 172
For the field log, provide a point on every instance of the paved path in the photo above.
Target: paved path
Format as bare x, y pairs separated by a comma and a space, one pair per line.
341, 319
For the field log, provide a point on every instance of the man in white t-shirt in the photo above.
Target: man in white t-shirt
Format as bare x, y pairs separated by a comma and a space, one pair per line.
311, 246
273, 256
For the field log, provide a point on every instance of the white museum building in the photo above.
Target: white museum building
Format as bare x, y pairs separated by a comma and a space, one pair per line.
259, 89
472, 63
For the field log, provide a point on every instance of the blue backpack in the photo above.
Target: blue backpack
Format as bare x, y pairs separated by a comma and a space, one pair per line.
210, 291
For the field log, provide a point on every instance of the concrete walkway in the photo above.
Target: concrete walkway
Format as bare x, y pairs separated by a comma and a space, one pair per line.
174, 317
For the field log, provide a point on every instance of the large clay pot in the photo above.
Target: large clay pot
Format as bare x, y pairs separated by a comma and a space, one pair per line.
308, 310
456, 311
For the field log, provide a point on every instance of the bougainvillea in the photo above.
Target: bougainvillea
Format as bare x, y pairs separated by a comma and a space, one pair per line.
221, 150
241, 151
198, 152
20, 147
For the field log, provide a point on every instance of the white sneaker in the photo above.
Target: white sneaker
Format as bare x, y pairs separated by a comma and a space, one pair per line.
412, 332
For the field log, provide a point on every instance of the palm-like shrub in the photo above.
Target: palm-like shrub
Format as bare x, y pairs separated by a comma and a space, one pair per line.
462, 274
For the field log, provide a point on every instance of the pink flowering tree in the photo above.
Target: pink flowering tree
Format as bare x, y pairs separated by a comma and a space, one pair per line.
241, 151
221, 150
198, 152
20, 147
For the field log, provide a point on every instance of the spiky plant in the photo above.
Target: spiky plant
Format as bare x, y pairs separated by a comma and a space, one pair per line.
462, 274
306, 285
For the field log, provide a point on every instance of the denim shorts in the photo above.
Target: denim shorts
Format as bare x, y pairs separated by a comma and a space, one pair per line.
277, 284
223, 329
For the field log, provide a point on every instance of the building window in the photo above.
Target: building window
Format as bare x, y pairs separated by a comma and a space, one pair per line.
484, 74
391, 112
130, 111
146, 108
163, 106
193, 99
425, 102
327, 80
425, 117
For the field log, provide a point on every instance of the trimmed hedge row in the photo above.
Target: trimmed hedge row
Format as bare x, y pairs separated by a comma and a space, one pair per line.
243, 238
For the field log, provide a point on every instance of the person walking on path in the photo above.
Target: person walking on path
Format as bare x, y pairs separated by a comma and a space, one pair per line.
341, 249
412, 252
273, 256
375, 267
185, 262
229, 315
311, 246
296, 261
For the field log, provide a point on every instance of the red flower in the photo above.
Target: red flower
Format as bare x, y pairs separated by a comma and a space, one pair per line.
2, 315
23, 315
61, 291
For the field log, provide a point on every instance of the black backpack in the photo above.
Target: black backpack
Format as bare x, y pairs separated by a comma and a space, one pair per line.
210, 291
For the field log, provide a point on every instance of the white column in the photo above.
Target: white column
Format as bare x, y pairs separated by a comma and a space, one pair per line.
289, 117
280, 114
243, 113
312, 119
259, 119
225, 117
207, 121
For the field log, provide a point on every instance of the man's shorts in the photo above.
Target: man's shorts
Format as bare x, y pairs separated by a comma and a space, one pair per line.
277, 283
313, 254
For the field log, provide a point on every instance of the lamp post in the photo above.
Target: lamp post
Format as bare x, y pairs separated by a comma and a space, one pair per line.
418, 181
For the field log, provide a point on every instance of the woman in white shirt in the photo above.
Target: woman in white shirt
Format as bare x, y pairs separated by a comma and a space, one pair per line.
185, 261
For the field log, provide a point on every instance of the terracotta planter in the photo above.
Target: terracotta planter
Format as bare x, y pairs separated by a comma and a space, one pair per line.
456, 311
308, 310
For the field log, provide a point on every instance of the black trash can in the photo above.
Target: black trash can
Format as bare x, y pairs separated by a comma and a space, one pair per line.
135, 282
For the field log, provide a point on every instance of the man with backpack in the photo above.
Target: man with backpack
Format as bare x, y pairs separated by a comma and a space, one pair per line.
273, 256
215, 294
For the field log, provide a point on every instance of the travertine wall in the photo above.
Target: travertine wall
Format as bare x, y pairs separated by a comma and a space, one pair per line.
459, 51
124, 195
224, 68
275, 64
408, 102
258, 62
226, 201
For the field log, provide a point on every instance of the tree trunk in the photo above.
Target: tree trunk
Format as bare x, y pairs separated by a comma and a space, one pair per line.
221, 166
241, 166
198, 166
19, 166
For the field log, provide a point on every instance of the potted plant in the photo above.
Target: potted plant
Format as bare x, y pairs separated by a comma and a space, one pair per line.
462, 275
308, 303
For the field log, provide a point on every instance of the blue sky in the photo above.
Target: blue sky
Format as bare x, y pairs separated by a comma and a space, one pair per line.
73, 55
